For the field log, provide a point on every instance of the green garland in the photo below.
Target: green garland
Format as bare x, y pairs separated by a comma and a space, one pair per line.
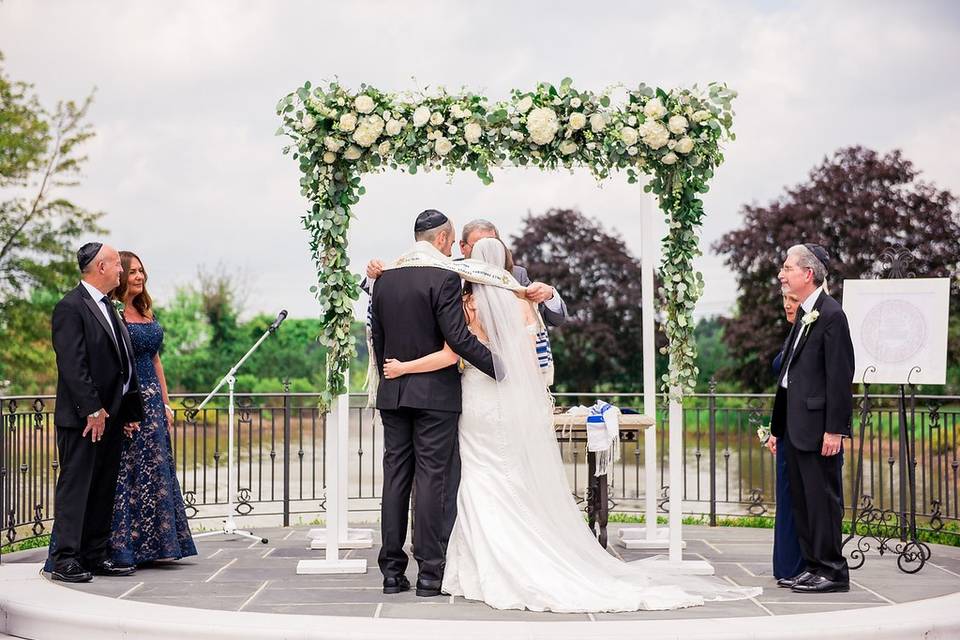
672, 136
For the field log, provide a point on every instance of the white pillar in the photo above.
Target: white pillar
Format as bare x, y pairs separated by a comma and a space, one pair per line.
676, 477
334, 536
648, 536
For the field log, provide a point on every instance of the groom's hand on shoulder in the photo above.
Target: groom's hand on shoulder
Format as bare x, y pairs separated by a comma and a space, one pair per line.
374, 269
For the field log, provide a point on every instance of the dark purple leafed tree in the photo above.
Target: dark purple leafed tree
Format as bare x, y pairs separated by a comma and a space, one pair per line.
856, 203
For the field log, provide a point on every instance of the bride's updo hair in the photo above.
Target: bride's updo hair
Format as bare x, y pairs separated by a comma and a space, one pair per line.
493, 251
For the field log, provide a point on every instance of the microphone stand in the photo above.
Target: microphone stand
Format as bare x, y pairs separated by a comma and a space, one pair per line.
229, 524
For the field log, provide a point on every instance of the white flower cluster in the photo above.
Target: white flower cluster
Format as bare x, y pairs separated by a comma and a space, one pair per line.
340, 135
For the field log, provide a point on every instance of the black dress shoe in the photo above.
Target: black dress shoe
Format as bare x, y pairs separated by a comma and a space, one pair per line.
428, 588
396, 585
800, 578
111, 568
71, 571
819, 584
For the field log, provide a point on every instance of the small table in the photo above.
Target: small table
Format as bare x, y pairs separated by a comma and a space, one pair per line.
598, 505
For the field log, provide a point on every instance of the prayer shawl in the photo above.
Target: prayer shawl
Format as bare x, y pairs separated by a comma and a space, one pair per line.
603, 431
425, 254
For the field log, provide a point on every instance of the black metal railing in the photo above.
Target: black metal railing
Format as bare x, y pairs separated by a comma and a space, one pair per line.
280, 468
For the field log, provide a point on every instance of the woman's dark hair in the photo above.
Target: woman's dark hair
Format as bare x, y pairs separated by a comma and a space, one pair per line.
142, 302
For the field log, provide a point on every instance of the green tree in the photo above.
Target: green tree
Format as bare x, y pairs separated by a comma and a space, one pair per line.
712, 356
40, 157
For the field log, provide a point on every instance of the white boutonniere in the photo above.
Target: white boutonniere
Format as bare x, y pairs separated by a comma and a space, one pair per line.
808, 320
119, 306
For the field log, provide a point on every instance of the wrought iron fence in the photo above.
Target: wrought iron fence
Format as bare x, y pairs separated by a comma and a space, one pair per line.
280, 464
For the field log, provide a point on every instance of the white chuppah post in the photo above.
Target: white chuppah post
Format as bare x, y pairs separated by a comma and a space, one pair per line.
335, 535
649, 536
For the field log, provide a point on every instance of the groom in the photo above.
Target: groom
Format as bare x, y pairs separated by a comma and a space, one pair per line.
415, 310
812, 409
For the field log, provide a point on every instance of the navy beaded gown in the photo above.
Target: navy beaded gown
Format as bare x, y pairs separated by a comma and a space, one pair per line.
149, 519
787, 557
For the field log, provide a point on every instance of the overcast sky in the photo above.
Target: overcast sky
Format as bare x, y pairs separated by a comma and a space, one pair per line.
188, 170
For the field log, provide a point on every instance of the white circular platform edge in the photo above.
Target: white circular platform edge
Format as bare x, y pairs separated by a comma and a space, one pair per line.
34, 608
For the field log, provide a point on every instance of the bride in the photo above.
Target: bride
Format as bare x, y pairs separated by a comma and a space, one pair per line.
519, 541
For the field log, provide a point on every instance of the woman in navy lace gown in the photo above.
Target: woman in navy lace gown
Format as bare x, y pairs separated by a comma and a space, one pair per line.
149, 520
787, 559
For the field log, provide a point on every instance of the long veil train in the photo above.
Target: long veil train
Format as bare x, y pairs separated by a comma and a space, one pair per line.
537, 534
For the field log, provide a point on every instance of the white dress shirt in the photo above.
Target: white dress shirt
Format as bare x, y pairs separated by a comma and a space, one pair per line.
105, 309
807, 306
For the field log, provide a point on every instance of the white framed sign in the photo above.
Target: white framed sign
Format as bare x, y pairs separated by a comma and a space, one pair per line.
898, 326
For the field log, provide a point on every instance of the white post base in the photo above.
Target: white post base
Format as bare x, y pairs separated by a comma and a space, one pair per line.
636, 538
681, 567
356, 539
307, 567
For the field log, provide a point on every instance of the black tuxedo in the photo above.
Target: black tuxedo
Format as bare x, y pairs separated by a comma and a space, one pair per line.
817, 400
414, 311
91, 372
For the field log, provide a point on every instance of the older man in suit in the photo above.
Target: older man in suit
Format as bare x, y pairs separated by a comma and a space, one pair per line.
98, 396
812, 410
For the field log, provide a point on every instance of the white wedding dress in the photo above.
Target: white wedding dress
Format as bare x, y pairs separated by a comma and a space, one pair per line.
519, 541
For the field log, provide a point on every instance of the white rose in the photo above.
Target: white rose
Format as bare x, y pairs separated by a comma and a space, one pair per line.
654, 134
575, 103
364, 103
353, 152
329, 157
387, 115
393, 127
443, 146
577, 120
670, 158
332, 144
472, 132
632, 151
542, 125
516, 135
677, 125
368, 130
701, 115
567, 147
348, 122
384, 148
421, 116
629, 136
654, 109
436, 118
632, 121
525, 103
597, 122
684, 145
455, 111
308, 123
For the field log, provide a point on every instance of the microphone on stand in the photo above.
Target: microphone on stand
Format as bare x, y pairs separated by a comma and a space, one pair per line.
276, 323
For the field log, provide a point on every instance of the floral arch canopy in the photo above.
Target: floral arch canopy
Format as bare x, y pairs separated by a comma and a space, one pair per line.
672, 136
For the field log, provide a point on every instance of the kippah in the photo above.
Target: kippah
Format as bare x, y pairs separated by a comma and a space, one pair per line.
820, 253
87, 253
429, 219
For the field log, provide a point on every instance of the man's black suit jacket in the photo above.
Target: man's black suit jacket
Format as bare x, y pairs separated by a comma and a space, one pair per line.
416, 310
89, 373
818, 398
